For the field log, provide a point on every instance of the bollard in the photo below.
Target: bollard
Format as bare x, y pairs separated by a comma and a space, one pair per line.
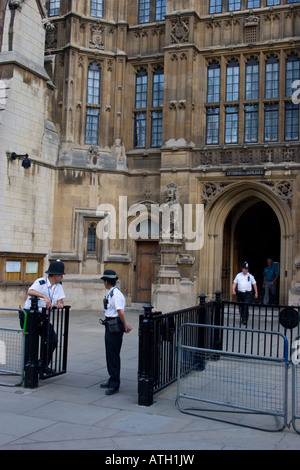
31, 369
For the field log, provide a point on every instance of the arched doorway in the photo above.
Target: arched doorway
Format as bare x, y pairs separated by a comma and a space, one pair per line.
222, 216
252, 234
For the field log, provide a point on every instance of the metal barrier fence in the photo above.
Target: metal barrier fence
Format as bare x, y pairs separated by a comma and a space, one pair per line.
38, 350
250, 386
158, 336
11, 354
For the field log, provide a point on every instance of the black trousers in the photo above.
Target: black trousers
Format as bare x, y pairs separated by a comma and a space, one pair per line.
244, 298
48, 338
113, 344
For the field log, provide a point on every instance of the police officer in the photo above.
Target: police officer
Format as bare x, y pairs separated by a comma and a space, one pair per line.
243, 283
48, 290
115, 326
50, 293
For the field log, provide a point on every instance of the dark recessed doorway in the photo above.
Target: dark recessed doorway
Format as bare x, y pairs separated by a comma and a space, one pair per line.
255, 237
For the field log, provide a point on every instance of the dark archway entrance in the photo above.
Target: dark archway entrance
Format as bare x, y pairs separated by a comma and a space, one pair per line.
254, 237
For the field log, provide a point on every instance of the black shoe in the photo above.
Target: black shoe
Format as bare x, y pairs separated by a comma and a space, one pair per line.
111, 391
47, 371
105, 385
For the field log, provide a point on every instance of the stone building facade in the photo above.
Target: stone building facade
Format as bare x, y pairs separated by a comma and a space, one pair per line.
141, 107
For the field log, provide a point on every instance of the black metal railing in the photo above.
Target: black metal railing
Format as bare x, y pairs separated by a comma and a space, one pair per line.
158, 337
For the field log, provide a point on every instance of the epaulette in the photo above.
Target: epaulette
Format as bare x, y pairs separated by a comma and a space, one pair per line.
42, 282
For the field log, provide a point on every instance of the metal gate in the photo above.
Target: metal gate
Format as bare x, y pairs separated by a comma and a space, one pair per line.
54, 331
11, 354
241, 388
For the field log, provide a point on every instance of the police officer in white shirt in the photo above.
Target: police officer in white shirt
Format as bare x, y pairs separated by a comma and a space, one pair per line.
115, 327
50, 293
48, 290
242, 287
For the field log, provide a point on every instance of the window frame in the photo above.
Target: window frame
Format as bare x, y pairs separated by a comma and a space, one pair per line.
231, 125
251, 123
151, 10
271, 111
272, 77
23, 258
149, 93
215, 6
99, 3
232, 92
291, 122
212, 125
234, 3
213, 82
93, 106
251, 79
54, 8
291, 74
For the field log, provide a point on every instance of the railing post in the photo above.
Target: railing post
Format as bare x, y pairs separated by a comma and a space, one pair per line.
217, 321
201, 320
31, 369
201, 331
145, 375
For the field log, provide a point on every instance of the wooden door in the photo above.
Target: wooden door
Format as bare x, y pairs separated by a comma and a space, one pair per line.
145, 269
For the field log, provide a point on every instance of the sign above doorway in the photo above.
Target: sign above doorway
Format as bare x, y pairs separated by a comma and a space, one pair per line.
245, 172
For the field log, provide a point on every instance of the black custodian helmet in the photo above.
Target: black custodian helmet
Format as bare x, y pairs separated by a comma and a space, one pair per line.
56, 267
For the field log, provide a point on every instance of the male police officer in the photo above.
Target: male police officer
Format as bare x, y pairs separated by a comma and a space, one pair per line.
243, 282
50, 293
48, 290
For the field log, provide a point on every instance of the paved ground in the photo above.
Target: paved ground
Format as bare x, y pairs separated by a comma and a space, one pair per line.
71, 412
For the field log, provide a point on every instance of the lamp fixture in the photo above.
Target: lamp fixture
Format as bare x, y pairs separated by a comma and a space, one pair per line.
25, 163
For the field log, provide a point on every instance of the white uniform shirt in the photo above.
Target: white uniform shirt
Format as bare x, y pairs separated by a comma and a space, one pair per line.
116, 301
43, 286
244, 282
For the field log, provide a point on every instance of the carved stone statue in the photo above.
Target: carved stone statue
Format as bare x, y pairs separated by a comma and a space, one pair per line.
118, 151
171, 227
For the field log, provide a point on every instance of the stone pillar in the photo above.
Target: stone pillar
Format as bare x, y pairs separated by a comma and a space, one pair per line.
170, 291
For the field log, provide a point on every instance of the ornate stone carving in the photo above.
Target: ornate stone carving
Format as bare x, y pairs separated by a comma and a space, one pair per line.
246, 155
179, 30
251, 20
288, 154
211, 189
283, 189
94, 157
51, 37
97, 37
171, 225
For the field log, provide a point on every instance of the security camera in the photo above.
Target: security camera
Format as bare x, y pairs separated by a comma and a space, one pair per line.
26, 162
